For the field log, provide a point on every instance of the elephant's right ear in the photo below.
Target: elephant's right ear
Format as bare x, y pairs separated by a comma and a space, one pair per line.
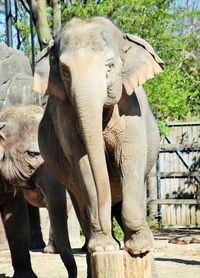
47, 79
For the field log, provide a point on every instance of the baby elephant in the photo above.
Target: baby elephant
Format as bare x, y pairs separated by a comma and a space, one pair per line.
23, 173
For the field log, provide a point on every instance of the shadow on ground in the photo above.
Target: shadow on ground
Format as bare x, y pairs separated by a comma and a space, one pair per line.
179, 261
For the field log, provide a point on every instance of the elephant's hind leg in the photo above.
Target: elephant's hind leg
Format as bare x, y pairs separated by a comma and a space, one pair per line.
15, 220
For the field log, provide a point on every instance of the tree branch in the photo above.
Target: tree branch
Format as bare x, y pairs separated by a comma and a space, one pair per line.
40, 17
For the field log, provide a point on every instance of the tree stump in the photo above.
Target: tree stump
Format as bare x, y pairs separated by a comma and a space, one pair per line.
120, 264
137, 266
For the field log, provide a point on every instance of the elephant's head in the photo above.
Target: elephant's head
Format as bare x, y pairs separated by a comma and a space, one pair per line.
90, 62
19, 151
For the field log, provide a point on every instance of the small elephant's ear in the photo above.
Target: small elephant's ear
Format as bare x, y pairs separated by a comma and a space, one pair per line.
47, 79
2, 138
140, 63
2, 134
2, 152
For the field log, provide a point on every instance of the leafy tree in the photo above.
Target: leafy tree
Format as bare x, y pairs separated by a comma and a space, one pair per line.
170, 26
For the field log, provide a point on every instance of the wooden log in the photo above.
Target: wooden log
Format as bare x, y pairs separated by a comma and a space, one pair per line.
120, 264
107, 264
137, 266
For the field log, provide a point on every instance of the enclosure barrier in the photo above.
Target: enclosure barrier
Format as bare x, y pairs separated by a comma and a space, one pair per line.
174, 182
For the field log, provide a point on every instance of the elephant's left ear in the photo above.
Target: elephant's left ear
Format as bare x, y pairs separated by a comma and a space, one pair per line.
2, 137
140, 63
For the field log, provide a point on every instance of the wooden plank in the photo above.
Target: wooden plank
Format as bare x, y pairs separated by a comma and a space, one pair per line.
173, 215
188, 222
180, 148
168, 215
183, 215
175, 201
178, 214
193, 215
174, 174
198, 217
164, 215
167, 146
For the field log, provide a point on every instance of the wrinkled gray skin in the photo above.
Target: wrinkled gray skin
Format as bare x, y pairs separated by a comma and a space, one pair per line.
98, 134
22, 170
16, 79
16, 82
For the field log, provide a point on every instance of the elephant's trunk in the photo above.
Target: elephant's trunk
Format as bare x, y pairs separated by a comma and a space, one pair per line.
90, 108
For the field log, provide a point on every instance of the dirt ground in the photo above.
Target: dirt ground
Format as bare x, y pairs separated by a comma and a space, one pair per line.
172, 261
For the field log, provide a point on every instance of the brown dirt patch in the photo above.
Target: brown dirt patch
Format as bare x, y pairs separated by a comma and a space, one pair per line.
172, 261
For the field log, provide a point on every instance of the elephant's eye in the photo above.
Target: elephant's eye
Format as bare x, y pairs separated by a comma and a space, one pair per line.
33, 154
110, 65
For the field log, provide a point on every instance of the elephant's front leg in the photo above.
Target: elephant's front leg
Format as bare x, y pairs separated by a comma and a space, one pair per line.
138, 236
15, 220
98, 241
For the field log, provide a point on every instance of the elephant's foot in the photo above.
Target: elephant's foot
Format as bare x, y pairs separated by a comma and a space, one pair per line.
51, 247
100, 242
37, 243
140, 241
24, 274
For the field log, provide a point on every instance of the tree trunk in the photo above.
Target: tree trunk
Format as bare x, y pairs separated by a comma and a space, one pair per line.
43, 31
56, 5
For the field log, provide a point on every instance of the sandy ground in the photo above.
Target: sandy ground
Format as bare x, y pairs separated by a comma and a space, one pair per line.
172, 261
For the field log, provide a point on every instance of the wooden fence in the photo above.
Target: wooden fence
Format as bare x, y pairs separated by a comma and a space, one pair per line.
174, 182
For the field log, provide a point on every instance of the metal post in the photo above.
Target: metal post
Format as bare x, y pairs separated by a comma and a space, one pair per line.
8, 23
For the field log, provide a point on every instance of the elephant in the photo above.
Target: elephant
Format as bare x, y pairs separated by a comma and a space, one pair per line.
25, 176
16, 88
98, 134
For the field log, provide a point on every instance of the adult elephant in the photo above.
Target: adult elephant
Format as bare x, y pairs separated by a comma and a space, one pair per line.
98, 134
24, 173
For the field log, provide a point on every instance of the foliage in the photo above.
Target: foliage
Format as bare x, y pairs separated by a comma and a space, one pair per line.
153, 223
171, 27
167, 27
119, 234
117, 230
